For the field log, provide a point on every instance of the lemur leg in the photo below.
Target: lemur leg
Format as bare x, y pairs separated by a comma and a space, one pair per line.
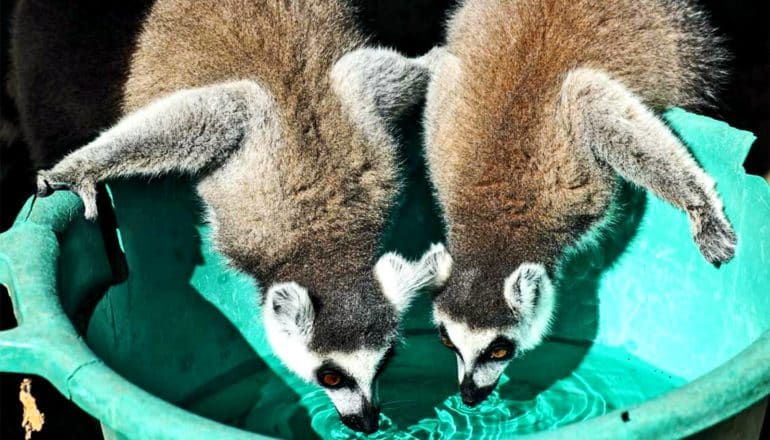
621, 132
186, 132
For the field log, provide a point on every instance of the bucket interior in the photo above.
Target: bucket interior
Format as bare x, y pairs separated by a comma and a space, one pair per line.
639, 313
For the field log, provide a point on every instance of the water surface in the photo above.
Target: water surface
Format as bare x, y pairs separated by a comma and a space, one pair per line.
419, 396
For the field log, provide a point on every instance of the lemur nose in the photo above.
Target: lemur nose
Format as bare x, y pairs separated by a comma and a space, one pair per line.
372, 422
473, 395
368, 421
469, 400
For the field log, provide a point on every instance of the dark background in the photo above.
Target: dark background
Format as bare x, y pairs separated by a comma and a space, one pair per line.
412, 26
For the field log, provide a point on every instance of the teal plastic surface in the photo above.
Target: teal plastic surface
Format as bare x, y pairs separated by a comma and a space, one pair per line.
650, 341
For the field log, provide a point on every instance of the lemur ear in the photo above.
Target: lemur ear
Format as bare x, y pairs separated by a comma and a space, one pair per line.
381, 81
402, 280
529, 293
288, 307
437, 264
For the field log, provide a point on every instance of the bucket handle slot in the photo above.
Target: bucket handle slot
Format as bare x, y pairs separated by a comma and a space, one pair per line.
43, 342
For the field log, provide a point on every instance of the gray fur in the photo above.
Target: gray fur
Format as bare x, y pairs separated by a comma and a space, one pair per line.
187, 132
607, 119
380, 82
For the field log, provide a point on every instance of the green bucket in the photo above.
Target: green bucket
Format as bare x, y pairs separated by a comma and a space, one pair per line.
650, 341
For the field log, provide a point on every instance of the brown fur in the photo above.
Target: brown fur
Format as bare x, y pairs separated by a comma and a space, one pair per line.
513, 185
322, 228
323, 158
311, 206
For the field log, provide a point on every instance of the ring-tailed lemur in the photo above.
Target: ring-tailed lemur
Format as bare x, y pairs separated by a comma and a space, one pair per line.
534, 110
282, 115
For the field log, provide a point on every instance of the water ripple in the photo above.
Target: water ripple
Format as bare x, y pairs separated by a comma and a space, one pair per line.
603, 382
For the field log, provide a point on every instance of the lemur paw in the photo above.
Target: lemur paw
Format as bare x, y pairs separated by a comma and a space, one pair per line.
49, 181
715, 237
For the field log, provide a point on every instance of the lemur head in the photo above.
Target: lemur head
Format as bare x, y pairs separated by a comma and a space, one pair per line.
487, 317
343, 346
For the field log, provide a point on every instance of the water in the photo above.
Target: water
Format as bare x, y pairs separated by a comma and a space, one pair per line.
557, 384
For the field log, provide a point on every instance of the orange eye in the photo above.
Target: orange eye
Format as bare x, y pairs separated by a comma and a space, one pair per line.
499, 353
331, 379
447, 342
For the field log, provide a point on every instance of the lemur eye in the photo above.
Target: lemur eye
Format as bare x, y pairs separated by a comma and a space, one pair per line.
447, 342
331, 380
499, 353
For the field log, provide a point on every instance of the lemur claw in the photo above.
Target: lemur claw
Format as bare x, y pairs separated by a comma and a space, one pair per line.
44, 189
715, 238
48, 183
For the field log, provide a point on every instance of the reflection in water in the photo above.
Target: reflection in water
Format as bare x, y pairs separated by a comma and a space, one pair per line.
607, 379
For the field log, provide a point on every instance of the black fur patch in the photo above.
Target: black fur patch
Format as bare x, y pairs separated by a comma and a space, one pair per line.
352, 316
475, 296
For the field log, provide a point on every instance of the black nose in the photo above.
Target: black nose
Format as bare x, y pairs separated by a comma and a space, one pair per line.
469, 399
473, 395
366, 422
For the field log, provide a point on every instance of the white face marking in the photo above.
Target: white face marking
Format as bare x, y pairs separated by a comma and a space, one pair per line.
471, 343
294, 353
460, 368
361, 365
347, 401
488, 373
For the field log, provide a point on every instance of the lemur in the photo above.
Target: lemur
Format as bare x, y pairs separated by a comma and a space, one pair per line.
535, 110
281, 114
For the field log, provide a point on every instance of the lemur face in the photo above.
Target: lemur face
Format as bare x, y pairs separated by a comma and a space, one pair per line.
349, 380
344, 348
482, 355
347, 376
486, 335
292, 327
